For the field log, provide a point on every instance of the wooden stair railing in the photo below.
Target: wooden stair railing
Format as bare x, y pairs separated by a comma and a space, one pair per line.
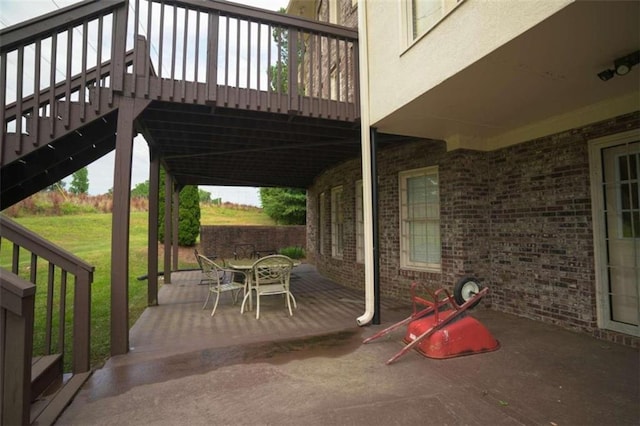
20, 388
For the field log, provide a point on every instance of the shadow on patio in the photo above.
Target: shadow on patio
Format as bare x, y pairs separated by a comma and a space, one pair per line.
186, 367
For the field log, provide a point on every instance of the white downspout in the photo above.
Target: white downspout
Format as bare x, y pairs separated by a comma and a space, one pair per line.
363, 52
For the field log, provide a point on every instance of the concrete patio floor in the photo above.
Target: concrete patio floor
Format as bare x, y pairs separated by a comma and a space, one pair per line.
186, 367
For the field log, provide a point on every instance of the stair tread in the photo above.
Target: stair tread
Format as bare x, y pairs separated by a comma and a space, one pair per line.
40, 363
45, 412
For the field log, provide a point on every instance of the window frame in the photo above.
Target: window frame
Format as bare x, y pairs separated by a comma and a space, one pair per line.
321, 224
337, 222
404, 239
412, 35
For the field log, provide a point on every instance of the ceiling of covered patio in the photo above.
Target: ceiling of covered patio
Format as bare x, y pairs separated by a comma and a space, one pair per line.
206, 145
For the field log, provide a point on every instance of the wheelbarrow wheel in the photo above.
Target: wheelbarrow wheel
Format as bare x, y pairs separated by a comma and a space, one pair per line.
465, 289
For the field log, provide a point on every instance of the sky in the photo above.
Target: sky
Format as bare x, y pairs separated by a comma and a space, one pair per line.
101, 171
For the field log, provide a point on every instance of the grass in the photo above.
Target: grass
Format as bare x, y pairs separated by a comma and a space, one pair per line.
88, 236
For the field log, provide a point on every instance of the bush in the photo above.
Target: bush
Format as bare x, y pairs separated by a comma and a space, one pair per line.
188, 216
293, 252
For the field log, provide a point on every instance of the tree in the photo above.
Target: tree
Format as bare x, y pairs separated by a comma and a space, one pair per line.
58, 186
205, 196
189, 216
287, 206
279, 73
80, 181
188, 213
141, 190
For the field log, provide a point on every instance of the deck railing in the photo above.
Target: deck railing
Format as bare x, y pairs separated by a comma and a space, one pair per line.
52, 63
245, 58
198, 52
61, 322
16, 343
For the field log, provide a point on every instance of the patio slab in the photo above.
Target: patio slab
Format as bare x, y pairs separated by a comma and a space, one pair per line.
311, 369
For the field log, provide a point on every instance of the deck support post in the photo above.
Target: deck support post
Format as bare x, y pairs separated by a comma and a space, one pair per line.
175, 221
128, 110
168, 228
152, 270
120, 230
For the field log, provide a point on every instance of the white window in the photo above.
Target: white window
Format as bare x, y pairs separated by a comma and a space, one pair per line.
359, 224
420, 219
337, 223
425, 14
321, 226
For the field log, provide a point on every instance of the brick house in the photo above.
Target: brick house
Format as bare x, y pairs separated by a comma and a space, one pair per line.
523, 167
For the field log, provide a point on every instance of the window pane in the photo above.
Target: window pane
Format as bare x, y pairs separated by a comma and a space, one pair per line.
425, 15
417, 242
622, 164
624, 196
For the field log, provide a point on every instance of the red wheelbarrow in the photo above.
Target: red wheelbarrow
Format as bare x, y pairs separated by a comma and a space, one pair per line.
442, 328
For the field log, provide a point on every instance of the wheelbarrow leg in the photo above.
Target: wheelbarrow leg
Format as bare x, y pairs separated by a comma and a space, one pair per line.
407, 320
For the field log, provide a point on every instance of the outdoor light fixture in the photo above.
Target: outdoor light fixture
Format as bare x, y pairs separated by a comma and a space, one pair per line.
606, 75
621, 66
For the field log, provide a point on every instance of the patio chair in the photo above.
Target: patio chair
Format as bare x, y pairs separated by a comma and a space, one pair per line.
221, 280
270, 275
203, 279
244, 251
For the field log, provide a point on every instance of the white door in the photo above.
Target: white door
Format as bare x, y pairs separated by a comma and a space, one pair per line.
617, 230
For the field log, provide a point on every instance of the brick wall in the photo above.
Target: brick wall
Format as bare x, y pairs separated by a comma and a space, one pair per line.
221, 240
518, 218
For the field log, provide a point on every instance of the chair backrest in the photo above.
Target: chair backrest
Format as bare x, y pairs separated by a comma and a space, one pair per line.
274, 269
244, 251
211, 269
198, 258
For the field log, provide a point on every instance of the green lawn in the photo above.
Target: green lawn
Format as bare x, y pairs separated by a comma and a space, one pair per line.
88, 236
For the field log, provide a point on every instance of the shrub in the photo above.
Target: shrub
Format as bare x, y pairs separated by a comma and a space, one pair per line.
293, 252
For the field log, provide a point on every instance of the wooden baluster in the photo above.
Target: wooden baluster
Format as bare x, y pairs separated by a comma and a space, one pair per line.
136, 65
66, 120
356, 81
3, 101
194, 99
19, 84
83, 76
147, 58
212, 57
35, 117
237, 102
98, 82
160, 50
248, 91
294, 97
269, 73
184, 55
62, 311
49, 309
173, 51
226, 63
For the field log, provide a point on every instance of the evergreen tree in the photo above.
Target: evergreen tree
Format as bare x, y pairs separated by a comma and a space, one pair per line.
188, 213
287, 206
80, 181
189, 216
